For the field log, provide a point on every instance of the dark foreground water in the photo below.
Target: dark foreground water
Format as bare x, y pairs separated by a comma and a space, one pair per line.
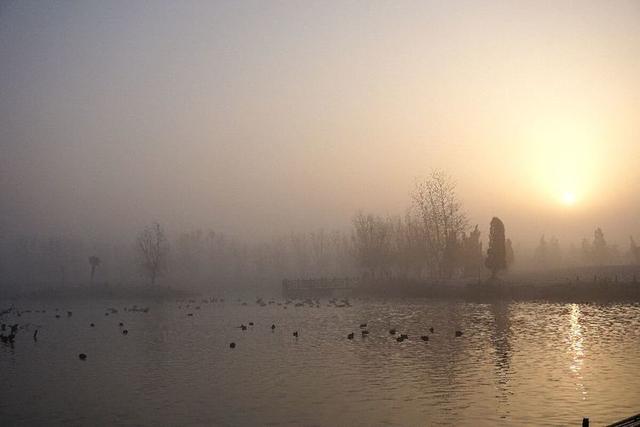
516, 364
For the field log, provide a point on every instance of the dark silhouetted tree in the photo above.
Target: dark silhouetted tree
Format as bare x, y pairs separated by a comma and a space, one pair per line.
473, 257
451, 258
94, 262
600, 250
586, 250
541, 253
548, 254
554, 255
496, 254
152, 250
372, 242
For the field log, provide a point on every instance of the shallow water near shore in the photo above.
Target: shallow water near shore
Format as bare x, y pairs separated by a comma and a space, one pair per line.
516, 363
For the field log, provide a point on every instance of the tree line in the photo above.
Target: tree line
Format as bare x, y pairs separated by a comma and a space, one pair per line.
595, 251
433, 240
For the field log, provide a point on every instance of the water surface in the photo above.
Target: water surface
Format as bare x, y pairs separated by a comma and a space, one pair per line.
516, 363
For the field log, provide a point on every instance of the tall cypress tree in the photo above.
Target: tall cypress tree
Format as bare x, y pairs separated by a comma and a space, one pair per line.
497, 253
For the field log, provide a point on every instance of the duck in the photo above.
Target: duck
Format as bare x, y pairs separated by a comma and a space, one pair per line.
392, 331
273, 327
125, 332
250, 323
400, 339
7, 338
295, 334
458, 333
350, 336
365, 333
232, 345
425, 338
363, 325
404, 336
82, 356
243, 327
92, 325
431, 329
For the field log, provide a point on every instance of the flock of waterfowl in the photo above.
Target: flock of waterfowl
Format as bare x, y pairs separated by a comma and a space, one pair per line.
192, 304
13, 328
364, 332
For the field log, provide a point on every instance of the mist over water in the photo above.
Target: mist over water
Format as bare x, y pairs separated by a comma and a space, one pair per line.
336, 170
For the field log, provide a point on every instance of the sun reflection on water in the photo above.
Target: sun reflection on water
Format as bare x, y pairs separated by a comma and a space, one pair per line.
576, 349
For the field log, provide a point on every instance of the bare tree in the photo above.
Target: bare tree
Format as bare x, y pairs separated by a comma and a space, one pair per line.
372, 243
318, 242
548, 255
152, 249
600, 249
299, 246
94, 262
586, 249
436, 204
473, 262
452, 256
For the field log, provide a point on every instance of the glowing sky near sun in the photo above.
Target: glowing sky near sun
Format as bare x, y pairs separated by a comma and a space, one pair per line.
260, 117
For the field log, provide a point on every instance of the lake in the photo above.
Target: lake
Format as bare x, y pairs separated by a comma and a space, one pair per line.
515, 364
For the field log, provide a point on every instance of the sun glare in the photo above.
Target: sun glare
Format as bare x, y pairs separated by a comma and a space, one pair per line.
569, 198
564, 159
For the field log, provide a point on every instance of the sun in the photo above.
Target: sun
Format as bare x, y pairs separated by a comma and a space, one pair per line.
564, 159
569, 198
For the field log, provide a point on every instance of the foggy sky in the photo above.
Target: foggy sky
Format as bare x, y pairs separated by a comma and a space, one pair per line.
265, 117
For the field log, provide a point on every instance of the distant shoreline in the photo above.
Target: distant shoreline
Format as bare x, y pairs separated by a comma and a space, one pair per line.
579, 284
100, 291
600, 291
523, 287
